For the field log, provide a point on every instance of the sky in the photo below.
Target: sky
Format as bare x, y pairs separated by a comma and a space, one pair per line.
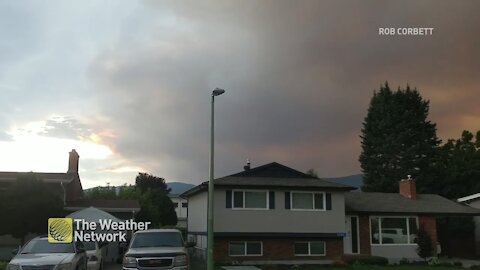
128, 83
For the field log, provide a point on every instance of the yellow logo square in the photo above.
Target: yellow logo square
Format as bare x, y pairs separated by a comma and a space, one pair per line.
60, 230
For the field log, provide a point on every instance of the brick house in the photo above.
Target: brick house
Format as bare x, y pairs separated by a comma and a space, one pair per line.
388, 222
474, 201
273, 214
67, 186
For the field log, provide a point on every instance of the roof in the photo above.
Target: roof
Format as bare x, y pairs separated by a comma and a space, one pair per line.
270, 175
46, 177
92, 214
469, 198
157, 230
105, 205
394, 203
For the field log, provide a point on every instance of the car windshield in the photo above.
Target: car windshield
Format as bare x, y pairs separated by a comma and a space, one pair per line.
157, 239
89, 245
43, 246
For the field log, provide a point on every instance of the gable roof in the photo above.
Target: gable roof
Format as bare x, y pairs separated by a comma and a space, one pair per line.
469, 198
273, 170
394, 203
46, 177
270, 175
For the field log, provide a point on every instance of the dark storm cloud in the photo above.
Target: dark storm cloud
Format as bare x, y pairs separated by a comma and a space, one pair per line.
298, 75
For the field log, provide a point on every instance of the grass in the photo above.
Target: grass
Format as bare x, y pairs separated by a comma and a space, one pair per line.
361, 267
401, 267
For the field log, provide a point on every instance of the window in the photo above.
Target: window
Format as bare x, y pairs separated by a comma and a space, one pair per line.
308, 201
184, 205
316, 248
250, 199
175, 204
393, 230
245, 248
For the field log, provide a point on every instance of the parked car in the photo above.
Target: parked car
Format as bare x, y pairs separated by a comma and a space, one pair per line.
95, 252
394, 235
155, 249
39, 254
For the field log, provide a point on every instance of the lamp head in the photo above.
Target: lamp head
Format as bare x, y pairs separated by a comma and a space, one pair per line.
217, 92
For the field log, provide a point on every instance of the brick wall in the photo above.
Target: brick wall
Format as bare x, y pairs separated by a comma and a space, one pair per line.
279, 249
74, 190
430, 225
364, 234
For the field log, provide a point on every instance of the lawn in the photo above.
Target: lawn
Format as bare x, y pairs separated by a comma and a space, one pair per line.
365, 267
393, 267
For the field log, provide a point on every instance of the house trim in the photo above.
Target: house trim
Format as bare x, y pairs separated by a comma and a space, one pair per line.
246, 248
324, 197
244, 202
277, 235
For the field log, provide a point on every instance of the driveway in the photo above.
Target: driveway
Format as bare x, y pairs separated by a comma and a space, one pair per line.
112, 266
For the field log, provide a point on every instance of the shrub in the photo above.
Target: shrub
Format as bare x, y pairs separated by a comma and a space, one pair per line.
3, 265
367, 260
425, 248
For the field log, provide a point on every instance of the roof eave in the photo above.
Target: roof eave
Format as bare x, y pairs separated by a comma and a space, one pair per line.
458, 214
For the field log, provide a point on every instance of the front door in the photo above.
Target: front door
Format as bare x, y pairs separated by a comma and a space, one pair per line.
350, 241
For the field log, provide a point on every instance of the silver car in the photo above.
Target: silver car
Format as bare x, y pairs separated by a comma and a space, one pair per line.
39, 254
157, 249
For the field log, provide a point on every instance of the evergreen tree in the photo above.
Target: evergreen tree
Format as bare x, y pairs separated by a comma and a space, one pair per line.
424, 242
398, 140
460, 166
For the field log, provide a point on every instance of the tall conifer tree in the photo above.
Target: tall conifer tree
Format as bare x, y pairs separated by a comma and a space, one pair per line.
398, 140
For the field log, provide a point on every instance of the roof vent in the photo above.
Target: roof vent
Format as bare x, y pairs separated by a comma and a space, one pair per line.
247, 166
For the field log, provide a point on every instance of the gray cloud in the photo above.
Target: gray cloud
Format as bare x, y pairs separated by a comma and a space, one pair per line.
299, 77
66, 127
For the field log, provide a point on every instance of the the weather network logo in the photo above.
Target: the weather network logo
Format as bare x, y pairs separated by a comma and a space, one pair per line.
60, 230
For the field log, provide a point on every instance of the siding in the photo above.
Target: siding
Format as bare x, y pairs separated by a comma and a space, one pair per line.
279, 219
197, 212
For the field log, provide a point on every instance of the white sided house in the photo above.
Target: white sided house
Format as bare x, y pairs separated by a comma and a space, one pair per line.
273, 214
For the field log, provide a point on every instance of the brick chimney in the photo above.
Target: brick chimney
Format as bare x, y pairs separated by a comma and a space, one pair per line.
408, 188
73, 162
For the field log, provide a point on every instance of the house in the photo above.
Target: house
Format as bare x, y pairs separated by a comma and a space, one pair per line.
271, 213
388, 222
67, 186
181, 207
474, 201
275, 214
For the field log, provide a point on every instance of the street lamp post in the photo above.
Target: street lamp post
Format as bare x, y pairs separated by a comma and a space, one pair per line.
210, 262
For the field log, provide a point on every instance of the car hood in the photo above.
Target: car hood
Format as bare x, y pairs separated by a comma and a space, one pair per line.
155, 251
42, 258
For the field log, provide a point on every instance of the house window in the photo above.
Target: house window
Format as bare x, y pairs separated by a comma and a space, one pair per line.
250, 199
308, 201
175, 204
245, 248
184, 205
393, 230
313, 248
